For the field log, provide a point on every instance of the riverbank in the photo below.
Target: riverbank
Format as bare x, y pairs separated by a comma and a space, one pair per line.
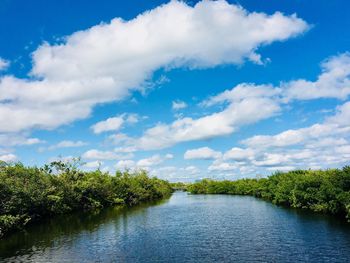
28, 194
325, 191
184, 228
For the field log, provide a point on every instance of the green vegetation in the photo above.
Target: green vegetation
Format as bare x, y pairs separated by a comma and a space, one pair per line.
321, 191
179, 186
28, 194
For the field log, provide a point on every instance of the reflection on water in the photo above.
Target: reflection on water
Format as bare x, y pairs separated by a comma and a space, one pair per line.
65, 229
186, 228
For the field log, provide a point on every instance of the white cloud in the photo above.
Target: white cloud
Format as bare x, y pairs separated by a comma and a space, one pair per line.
31, 141
248, 108
281, 168
333, 82
66, 159
239, 154
93, 165
4, 64
111, 124
165, 172
248, 103
289, 137
153, 160
272, 159
68, 79
104, 155
114, 123
8, 157
120, 138
133, 118
169, 156
125, 164
321, 145
192, 170
333, 126
145, 163
242, 92
178, 105
167, 35
125, 149
218, 165
67, 144
176, 174
342, 117
204, 153
13, 139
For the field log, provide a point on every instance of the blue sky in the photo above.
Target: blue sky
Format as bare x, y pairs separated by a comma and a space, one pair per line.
185, 90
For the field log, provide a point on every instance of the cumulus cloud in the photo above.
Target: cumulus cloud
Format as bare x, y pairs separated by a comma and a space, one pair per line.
125, 164
114, 123
153, 160
176, 174
95, 154
145, 163
333, 126
93, 165
204, 153
242, 92
247, 108
111, 124
218, 165
8, 157
333, 82
325, 143
318, 146
239, 154
107, 62
248, 103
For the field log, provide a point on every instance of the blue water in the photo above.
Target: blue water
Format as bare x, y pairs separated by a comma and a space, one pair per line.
185, 228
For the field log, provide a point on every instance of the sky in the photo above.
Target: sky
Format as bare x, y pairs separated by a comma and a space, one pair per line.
183, 89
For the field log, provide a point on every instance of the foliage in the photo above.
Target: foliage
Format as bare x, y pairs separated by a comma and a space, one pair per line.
179, 186
31, 193
321, 191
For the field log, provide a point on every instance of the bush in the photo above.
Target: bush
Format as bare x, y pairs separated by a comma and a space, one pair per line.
321, 191
30, 193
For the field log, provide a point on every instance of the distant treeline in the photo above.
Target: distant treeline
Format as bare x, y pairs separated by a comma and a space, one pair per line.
325, 191
30, 193
179, 186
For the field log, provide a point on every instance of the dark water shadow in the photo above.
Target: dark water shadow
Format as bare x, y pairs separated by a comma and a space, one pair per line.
47, 232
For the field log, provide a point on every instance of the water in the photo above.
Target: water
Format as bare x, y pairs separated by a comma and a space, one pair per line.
185, 228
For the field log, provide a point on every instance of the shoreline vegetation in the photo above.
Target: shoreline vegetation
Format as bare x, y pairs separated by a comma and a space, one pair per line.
28, 194
323, 191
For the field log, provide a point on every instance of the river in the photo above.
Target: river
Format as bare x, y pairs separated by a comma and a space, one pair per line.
185, 228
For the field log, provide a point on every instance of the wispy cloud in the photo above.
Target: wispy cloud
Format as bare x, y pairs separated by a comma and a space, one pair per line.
4, 64
178, 105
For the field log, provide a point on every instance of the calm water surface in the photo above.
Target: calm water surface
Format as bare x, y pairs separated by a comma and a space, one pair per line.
185, 228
